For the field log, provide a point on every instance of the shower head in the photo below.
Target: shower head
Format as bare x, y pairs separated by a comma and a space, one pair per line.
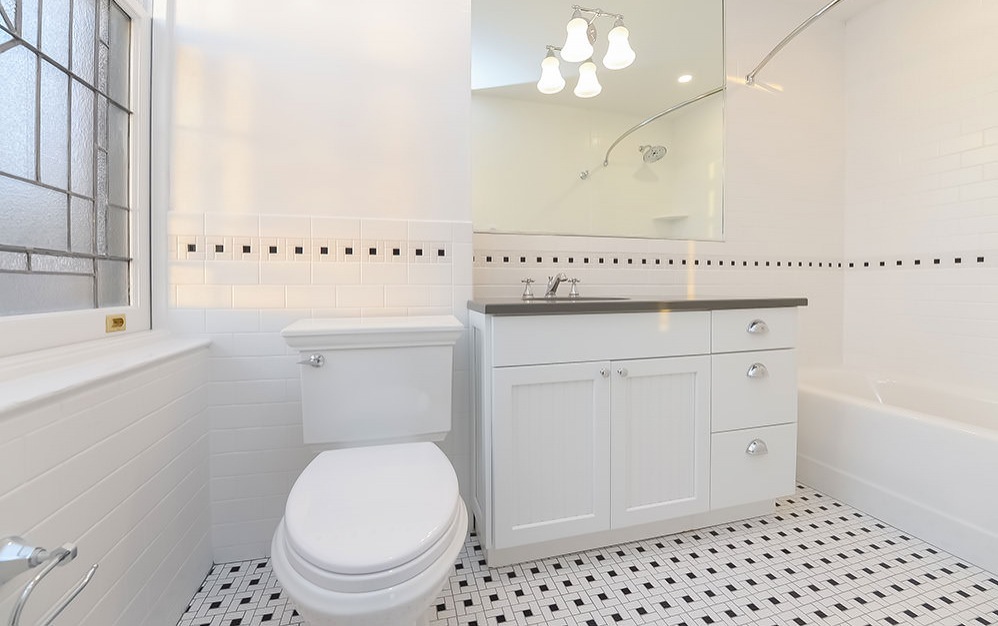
652, 153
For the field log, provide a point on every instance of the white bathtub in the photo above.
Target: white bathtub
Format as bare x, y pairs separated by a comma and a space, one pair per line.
921, 457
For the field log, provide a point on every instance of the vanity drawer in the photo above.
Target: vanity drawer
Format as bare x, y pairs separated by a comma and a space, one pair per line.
741, 330
540, 339
751, 465
751, 389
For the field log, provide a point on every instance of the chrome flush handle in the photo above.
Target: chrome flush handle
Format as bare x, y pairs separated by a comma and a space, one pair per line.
314, 360
757, 327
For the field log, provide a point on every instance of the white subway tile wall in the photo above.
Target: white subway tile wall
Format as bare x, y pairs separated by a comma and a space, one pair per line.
922, 190
240, 280
119, 468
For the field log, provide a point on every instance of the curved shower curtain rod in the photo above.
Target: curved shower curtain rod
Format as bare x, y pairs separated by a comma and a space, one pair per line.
750, 77
606, 159
749, 80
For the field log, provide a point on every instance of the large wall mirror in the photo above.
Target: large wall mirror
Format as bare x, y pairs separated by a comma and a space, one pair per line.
538, 159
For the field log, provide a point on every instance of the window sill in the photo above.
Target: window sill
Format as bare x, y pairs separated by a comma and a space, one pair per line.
28, 379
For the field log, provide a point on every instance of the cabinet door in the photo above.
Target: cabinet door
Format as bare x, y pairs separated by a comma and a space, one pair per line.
551, 450
660, 435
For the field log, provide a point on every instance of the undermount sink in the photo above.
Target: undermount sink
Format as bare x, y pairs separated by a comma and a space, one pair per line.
574, 299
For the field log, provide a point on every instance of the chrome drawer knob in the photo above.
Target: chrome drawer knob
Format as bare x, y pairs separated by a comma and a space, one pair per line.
757, 447
757, 327
623, 372
605, 373
757, 370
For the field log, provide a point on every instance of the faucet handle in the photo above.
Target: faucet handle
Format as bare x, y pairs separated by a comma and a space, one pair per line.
574, 293
527, 291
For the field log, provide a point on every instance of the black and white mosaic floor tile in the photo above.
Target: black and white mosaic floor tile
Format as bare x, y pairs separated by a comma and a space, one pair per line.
814, 561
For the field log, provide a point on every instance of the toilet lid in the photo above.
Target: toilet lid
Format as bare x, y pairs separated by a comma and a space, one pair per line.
365, 510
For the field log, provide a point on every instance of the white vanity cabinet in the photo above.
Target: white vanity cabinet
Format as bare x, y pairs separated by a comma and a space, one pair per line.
592, 429
753, 406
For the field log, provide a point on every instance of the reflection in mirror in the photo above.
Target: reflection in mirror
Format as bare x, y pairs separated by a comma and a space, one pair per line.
538, 158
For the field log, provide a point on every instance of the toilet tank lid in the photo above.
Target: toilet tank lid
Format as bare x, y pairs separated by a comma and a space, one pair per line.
372, 332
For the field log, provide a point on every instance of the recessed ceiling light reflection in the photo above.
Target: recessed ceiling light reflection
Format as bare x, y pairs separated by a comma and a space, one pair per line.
685, 78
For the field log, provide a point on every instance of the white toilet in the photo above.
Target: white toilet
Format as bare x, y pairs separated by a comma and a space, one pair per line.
371, 529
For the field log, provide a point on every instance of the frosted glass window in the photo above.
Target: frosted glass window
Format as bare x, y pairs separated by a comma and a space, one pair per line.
81, 226
8, 13
14, 261
19, 17
112, 283
32, 216
56, 30
117, 151
54, 122
82, 140
23, 293
65, 147
118, 68
84, 38
61, 264
29, 22
17, 111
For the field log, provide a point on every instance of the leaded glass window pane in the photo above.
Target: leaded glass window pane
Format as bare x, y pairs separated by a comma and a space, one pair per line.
64, 155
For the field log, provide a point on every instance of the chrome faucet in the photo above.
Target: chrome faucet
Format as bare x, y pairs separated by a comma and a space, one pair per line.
553, 282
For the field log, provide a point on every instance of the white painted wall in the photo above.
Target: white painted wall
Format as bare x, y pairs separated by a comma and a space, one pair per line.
119, 468
922, 184
322, 108
309, 125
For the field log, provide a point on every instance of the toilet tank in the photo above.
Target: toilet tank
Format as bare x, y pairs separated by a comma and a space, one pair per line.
375, 380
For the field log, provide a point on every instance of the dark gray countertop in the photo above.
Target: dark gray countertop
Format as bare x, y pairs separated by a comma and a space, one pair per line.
540, 306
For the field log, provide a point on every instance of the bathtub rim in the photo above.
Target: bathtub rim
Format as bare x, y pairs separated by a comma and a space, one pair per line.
806, 384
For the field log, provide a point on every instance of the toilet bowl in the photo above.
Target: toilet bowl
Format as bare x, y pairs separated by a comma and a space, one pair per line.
370, 535
372, 527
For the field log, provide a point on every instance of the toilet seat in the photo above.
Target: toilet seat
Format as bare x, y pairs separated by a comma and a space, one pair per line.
361, 519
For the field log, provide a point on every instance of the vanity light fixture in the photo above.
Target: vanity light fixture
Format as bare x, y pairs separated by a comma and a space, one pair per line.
580, 36
588, 85
619, 53
551, 79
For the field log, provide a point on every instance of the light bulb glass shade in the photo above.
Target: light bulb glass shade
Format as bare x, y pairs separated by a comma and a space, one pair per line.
588, 85
551, 80
618, 53
577, 45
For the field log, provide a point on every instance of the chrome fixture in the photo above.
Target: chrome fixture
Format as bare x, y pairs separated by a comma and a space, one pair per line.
750, 78
578, 48
314, 360
553, 283
757, 447
652, 153
574, 292
17, 557
528, 293
757, 327
757, 370
606, 159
